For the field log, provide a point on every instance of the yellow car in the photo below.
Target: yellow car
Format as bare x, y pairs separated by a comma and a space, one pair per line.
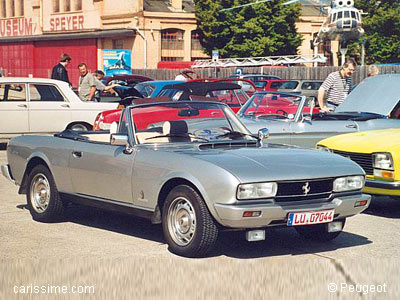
377, 152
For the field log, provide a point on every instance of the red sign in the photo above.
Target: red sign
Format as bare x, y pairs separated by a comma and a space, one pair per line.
16, 27
66, 23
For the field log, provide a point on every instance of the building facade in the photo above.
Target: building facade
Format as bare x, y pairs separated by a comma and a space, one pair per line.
156, 33
34, 33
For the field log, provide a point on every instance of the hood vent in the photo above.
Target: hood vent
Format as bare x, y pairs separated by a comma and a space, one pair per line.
228, 145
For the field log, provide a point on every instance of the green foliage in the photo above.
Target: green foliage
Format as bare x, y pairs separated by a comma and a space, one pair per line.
382, 30
263, 29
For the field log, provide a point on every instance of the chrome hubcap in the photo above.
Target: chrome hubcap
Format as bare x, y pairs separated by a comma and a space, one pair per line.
181, 221
40, 193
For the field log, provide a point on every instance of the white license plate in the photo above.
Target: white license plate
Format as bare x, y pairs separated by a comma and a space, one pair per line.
308, 218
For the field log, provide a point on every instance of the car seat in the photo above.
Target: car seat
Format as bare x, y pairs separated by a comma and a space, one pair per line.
177, 131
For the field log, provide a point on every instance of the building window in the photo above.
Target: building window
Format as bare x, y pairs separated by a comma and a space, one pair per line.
56, 6
118, 44
195, 41
67, 5
2, 8
165, 58
172, 45
78, 5
172, 39
20, 8
12, 8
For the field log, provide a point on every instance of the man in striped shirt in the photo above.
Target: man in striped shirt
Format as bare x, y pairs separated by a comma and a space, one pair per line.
336, 86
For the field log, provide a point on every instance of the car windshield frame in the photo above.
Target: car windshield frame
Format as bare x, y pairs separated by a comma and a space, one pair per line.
231, 130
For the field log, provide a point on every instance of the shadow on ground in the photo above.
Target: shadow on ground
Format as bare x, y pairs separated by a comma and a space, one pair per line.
279, 241
384, 207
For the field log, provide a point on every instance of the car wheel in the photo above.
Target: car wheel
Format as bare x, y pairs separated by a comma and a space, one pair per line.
188, 227
42, 197
319, 232
79, 127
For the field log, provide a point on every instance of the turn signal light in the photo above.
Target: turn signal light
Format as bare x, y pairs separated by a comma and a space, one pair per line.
249, 214
361, 203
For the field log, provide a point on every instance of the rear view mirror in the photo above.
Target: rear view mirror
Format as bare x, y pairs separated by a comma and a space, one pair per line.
188, 113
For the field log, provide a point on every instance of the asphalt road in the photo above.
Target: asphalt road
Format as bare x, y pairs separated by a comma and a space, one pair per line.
122, 257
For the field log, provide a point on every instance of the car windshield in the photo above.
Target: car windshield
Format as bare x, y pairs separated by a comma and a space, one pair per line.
277, 105
185, 121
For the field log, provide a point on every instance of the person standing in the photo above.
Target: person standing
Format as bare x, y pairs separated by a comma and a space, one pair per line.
372, 71
87, 84
100, 87
186, 75
336, 86
59, 70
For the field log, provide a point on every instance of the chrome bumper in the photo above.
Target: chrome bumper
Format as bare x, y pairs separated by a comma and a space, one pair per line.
5, 170
380, 184
275, 214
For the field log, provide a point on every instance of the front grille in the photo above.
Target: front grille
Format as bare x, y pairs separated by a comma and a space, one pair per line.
364, 160
302, 190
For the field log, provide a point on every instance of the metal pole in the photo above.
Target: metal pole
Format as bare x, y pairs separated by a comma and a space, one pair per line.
362, 52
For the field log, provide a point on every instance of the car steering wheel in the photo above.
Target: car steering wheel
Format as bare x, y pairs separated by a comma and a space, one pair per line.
284, 113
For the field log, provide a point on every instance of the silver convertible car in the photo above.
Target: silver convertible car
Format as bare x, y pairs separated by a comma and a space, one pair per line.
193, 167
293, 119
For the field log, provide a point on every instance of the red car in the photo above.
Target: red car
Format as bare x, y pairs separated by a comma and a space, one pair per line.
269, 85
224, 92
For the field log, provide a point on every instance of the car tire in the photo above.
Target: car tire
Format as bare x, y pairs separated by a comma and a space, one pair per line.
319, 232
44, 202
188, 226
79, 127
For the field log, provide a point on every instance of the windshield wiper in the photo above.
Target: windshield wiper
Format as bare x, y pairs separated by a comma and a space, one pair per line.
189, 135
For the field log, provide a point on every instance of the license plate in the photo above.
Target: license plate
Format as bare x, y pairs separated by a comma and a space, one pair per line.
308, 218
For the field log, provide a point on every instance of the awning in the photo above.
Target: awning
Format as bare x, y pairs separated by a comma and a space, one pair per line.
126, 32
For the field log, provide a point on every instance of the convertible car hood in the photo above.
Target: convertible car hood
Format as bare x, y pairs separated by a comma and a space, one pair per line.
365, 142
277, 162
377, 94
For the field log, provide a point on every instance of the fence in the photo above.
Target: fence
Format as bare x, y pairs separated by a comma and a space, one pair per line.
283, 72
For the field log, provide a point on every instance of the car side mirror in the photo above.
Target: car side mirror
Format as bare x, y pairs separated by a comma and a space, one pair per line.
263, 135
119, 139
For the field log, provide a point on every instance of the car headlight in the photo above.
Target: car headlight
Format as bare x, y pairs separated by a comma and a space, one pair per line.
257, 190
323, 148
383, 161
349, 183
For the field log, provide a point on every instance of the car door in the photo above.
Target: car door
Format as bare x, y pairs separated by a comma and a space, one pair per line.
14, 111
49, 111
307, 133
101, 170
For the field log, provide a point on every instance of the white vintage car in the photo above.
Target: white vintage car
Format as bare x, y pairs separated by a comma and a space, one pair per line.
40, 105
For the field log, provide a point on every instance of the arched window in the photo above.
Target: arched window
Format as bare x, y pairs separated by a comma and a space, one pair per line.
172, 45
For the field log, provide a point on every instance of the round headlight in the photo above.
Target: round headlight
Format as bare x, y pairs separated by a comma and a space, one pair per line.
323, 148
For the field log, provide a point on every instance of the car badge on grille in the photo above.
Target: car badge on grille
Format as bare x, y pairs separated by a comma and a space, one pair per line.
306, 188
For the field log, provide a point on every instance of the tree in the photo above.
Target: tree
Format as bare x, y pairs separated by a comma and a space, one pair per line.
382, 30
263, 29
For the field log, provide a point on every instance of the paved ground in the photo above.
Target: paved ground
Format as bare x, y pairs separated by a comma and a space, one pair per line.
127, 258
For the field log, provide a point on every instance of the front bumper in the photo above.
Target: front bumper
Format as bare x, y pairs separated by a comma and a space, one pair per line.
274, 214
5, 170
380, 187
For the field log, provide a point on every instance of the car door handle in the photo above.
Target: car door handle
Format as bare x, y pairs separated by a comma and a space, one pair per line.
351, 126
65, 105
22, 105
77, 154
